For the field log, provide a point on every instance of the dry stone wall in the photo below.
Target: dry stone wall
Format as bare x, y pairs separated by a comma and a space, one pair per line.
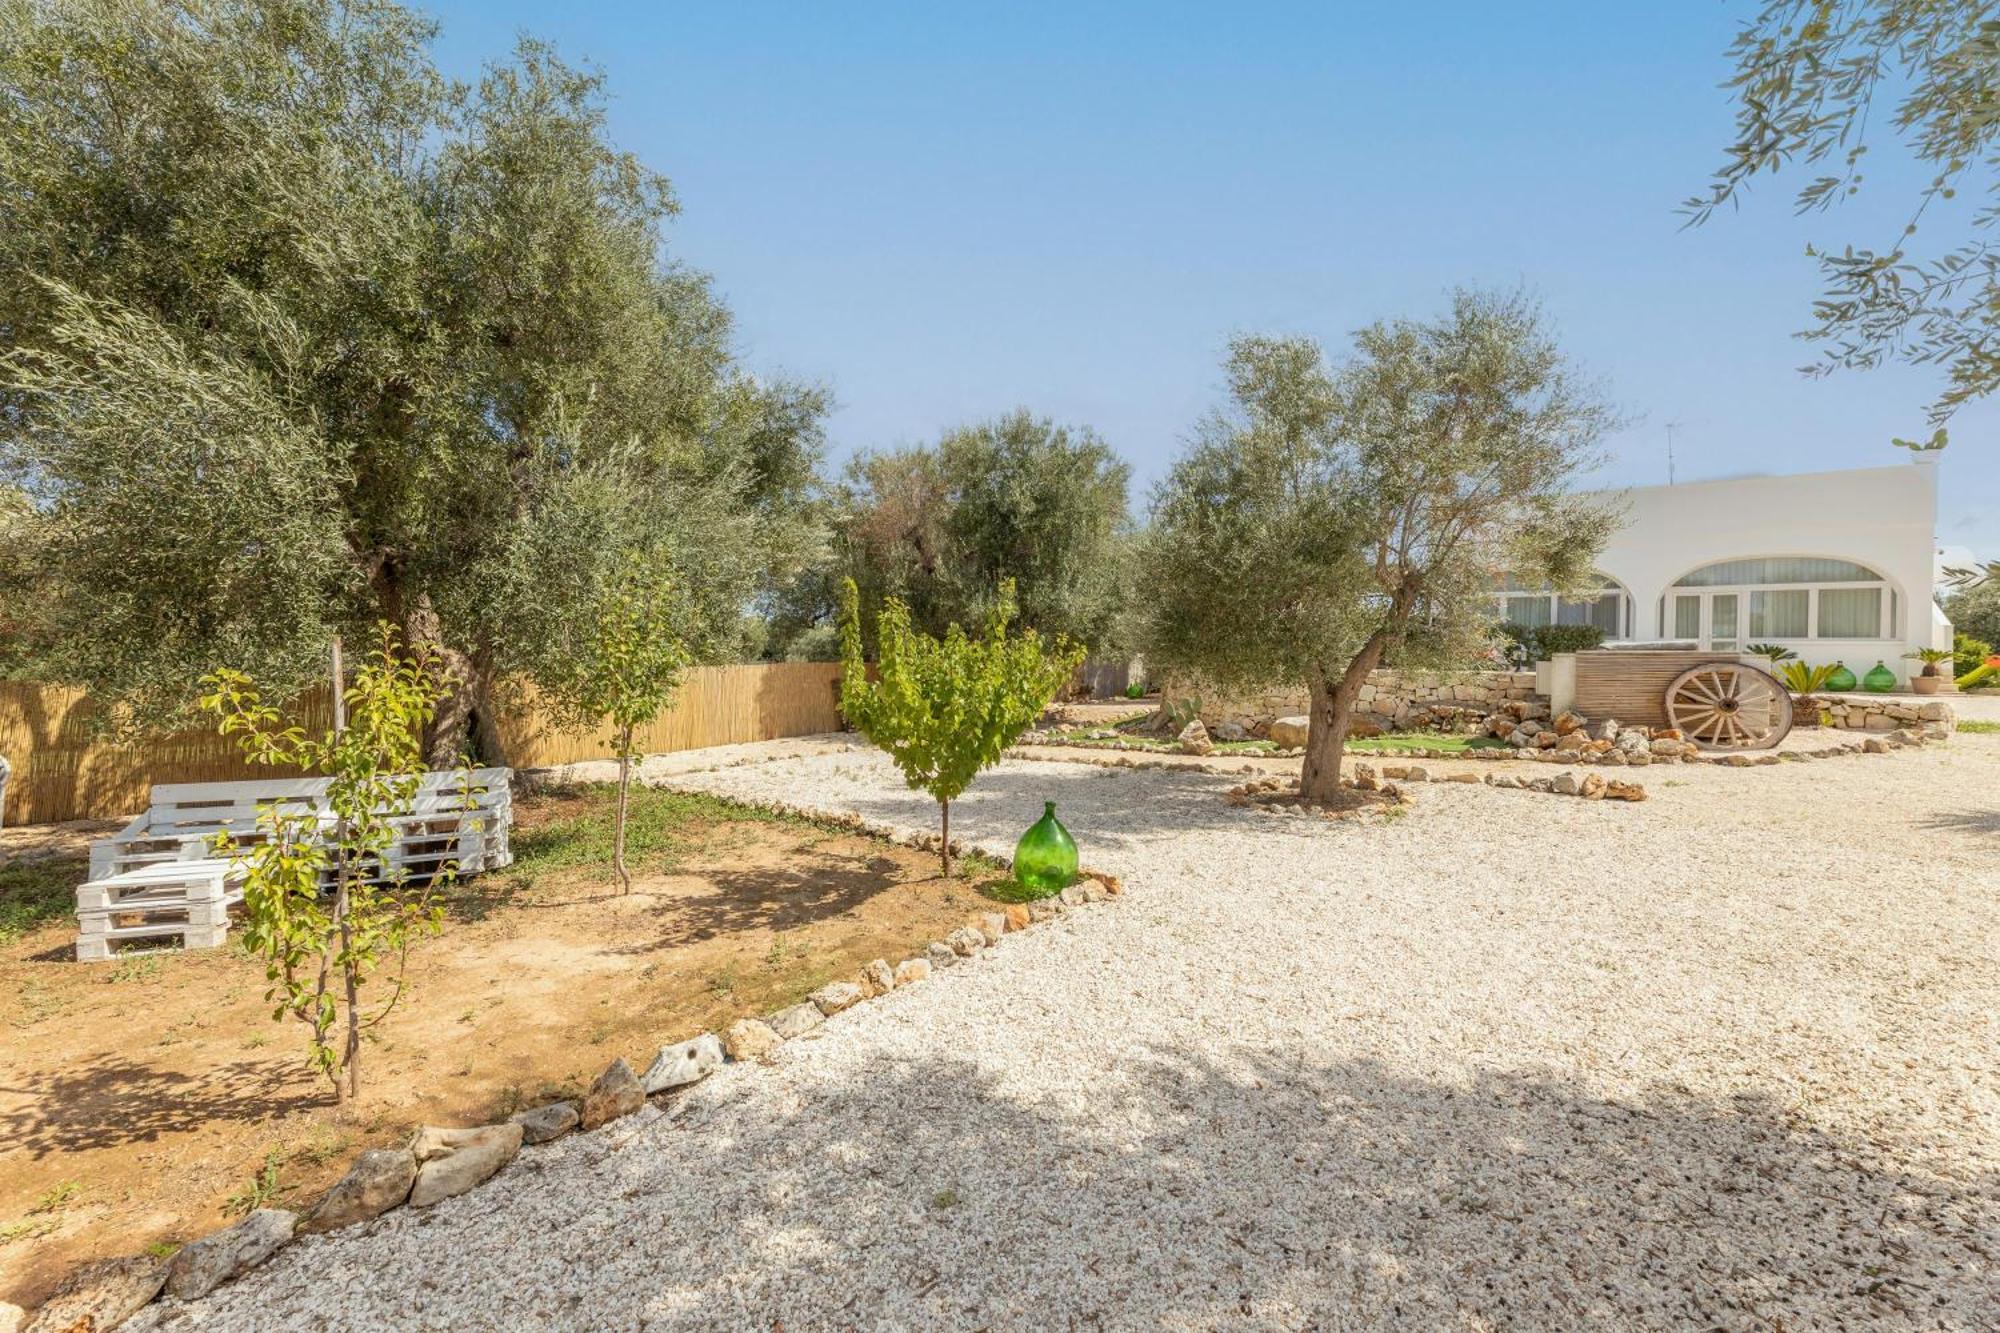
1391, 700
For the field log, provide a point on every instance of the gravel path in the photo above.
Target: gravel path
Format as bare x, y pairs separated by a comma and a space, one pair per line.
1724, 1059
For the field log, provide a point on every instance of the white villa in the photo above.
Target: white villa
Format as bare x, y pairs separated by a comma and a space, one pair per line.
1833, 565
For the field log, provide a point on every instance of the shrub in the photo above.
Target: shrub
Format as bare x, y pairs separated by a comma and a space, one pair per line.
1135, 691
1552, 639
1968, 654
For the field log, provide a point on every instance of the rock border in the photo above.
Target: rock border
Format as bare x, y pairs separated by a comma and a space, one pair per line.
438, 1163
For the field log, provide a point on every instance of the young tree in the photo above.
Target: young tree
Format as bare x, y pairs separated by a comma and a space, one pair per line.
945, 708
1337, 520
319, 953
406, 349
625, 668
940, 527
1807, 79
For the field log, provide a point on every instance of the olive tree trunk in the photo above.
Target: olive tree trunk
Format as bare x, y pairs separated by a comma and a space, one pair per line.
1331, 715
618, 825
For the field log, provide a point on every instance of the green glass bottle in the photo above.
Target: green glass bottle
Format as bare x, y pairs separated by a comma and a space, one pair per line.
1842, 679
1045, 858
1879, 680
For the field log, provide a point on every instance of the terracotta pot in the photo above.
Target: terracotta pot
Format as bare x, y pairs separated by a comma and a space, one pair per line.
1927, 684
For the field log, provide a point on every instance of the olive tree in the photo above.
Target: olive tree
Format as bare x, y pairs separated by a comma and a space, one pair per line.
1810, 81
945, 707
402, 349
1330, 520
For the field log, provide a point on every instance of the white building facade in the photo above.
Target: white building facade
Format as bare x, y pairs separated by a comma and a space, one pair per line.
1836, 566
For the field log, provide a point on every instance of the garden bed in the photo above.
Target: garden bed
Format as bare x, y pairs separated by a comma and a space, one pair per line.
143, 1102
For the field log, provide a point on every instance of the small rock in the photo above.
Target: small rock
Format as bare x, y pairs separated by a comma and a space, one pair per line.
1624, 791
1395, 772
1017, 916
12, 1317
1567, 722
1414, 774
912, 970
1289, 733
101, 1296
1592, 787
990, 924
203, 1265
1072, 896
1570, 742
617, 1092
1194, 739
878, 978
1044, 909
796, 1021
455, 1160
547, 1123
1566, 784
748, 1038
836, 996
1875, 745
940, 954
966, 941
1231, 731
687, 1062
379, 1180
1460, 777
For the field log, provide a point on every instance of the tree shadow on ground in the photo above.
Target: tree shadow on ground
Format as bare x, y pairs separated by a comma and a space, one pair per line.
773, 898
110, 1102
1267, 1190
1966, 821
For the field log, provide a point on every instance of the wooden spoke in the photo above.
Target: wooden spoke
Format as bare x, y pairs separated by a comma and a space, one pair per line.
1729, 706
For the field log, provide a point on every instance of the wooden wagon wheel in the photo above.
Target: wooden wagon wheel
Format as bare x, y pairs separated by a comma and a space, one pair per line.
1729, 706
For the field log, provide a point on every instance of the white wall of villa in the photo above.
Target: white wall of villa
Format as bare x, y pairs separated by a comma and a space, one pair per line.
1836, 566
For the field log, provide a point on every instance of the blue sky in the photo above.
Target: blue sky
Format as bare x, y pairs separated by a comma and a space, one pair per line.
944, 212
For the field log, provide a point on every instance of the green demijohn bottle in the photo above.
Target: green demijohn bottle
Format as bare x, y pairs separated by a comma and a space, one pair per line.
1879, 680
1045, 858
1842, 679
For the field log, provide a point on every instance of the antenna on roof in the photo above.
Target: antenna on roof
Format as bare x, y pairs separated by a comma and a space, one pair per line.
1672, 426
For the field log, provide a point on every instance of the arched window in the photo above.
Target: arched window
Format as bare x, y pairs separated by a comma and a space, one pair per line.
1532, 607
1731, 603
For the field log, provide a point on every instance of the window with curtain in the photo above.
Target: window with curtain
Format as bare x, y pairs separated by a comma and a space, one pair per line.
1531, 608
1783, 597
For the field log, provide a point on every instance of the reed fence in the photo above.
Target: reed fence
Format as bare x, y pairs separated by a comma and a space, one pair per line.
66, 768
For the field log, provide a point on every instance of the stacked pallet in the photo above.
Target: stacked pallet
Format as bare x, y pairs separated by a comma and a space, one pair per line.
159, 882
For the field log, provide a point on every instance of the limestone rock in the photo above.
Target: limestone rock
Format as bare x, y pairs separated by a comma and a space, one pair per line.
796, 1021
1231, 731
992, 925
1624, 791
1414, 774
748, 1038
688, 1062
1566, 784
1072, 897
836, 996
1875, 745
547, 1123
940, 955
12, 1317
1290, 732
878, 978
101, 1296
912, 970
461, 1159
203, 1265
1592, 787
965, 941
1194, 739
617, 1092
1569, 742
1044, 909
1017, 916
1566, 722
379, 1180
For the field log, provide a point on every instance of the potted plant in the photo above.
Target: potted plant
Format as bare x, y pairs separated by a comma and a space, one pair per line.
1805, 682
1776, 653
1930, 680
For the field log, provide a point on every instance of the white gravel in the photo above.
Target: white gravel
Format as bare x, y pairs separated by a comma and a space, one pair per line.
1724, 1059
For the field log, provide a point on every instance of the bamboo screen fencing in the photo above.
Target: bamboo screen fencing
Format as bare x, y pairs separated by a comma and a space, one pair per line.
64, 769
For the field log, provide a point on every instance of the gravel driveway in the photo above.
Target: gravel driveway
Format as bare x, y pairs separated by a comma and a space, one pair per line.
1724, 1059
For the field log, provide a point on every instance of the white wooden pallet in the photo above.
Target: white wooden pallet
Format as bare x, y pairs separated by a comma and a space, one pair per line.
159, 878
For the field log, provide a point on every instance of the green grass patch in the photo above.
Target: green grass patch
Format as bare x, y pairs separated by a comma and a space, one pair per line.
1006, 889
659, 825
34, 893
1423, 741
1980, 728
